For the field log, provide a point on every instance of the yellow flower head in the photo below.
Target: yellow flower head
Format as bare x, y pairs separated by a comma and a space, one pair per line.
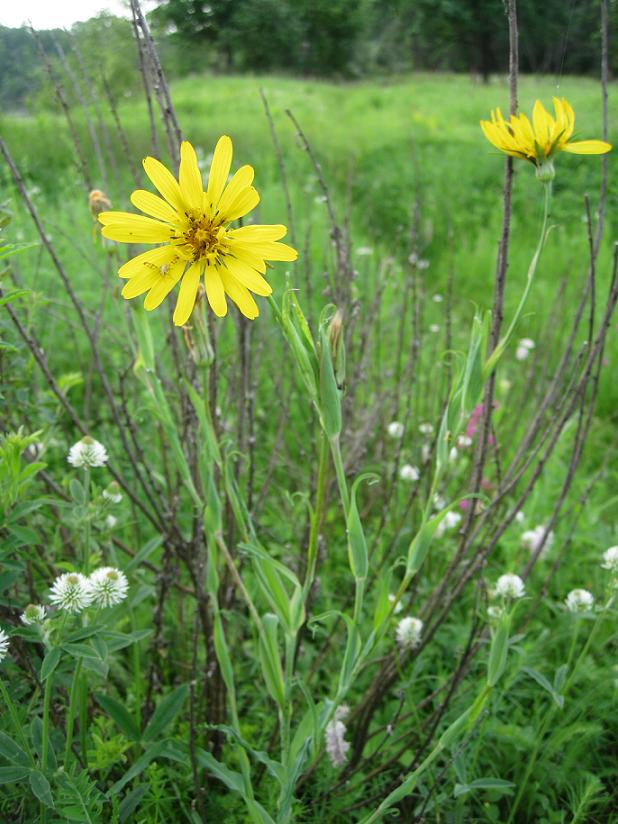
540, 140
193, 226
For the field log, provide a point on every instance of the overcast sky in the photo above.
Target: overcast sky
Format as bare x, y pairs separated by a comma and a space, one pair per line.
58, 14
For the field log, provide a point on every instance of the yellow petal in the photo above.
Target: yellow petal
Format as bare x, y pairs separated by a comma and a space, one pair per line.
244, 252
542, 122
136, 229
187, 294
153, 206
219, 169
240, 181
140, 283
589, 147
164, 285
165, 182
151, 259
247, 199
214, 291
259, 232
247, 276
239, 294
190, 177
268, 250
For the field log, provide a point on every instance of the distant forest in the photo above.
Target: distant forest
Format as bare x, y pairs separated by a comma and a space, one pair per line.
337, 39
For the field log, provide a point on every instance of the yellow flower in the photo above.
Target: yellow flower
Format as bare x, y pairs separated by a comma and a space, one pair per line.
192, 225
544, 137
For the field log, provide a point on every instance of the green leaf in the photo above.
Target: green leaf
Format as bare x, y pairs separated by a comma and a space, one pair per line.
500, 784
120, 640
10, 774
50, 662
40, 787
357, 546
11, 751
269, 659
131, 801
543, 682
498, 651
144, 553
119, 714
77, 492
166, 712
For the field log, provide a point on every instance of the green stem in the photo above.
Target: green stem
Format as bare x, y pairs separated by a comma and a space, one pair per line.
498, 351
341, 480
86, 547
316, 520
71, 713
46, 705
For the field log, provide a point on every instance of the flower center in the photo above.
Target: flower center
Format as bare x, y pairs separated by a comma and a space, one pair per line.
203, 237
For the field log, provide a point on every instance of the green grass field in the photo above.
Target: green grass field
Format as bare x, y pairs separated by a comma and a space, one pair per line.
409, 171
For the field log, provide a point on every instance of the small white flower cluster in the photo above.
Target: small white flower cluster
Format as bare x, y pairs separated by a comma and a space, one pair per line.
510, 586
533, 538
579, 600
610, 559
426, 429
420, 263
87, 453
408, 633
33, 614
409, 473
4, 644
450, 521
524, 347
336, 745
73, 592
112, 493
395, 430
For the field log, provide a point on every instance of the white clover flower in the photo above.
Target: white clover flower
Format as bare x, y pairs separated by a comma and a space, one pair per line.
408, 632
434, 328
579, 600
422, 264
108, 586
87, 453
413, 258
464, 441
110, 521
4, 644
363, 251
438, 501
409, 473
437, 298
399, 606
610, 559
450, 521
336, 745
520, 517
510, 586
71, 592
521, 353
112, 493
494, 612
33, 614
527, 343
425, 428
395, 430
532, 539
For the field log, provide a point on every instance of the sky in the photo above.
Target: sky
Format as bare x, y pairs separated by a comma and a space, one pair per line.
58, 14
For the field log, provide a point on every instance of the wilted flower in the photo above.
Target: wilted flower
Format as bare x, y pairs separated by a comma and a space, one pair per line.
610, 559
197, 244
540, 140
33, 614
408, 632
4, 644
579, 600
510, 586
395, 430
336, 746
112, 493
98, 202
71, 592
533, 538
409, 473
87, 453
108, 586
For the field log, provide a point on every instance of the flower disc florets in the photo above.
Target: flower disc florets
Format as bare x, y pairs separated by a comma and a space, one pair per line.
108, 586
71, 592
87, 453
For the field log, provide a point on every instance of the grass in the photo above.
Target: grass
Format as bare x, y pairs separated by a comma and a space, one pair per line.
398, 153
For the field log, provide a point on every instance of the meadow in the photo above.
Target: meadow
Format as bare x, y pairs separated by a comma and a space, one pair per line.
266, 581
